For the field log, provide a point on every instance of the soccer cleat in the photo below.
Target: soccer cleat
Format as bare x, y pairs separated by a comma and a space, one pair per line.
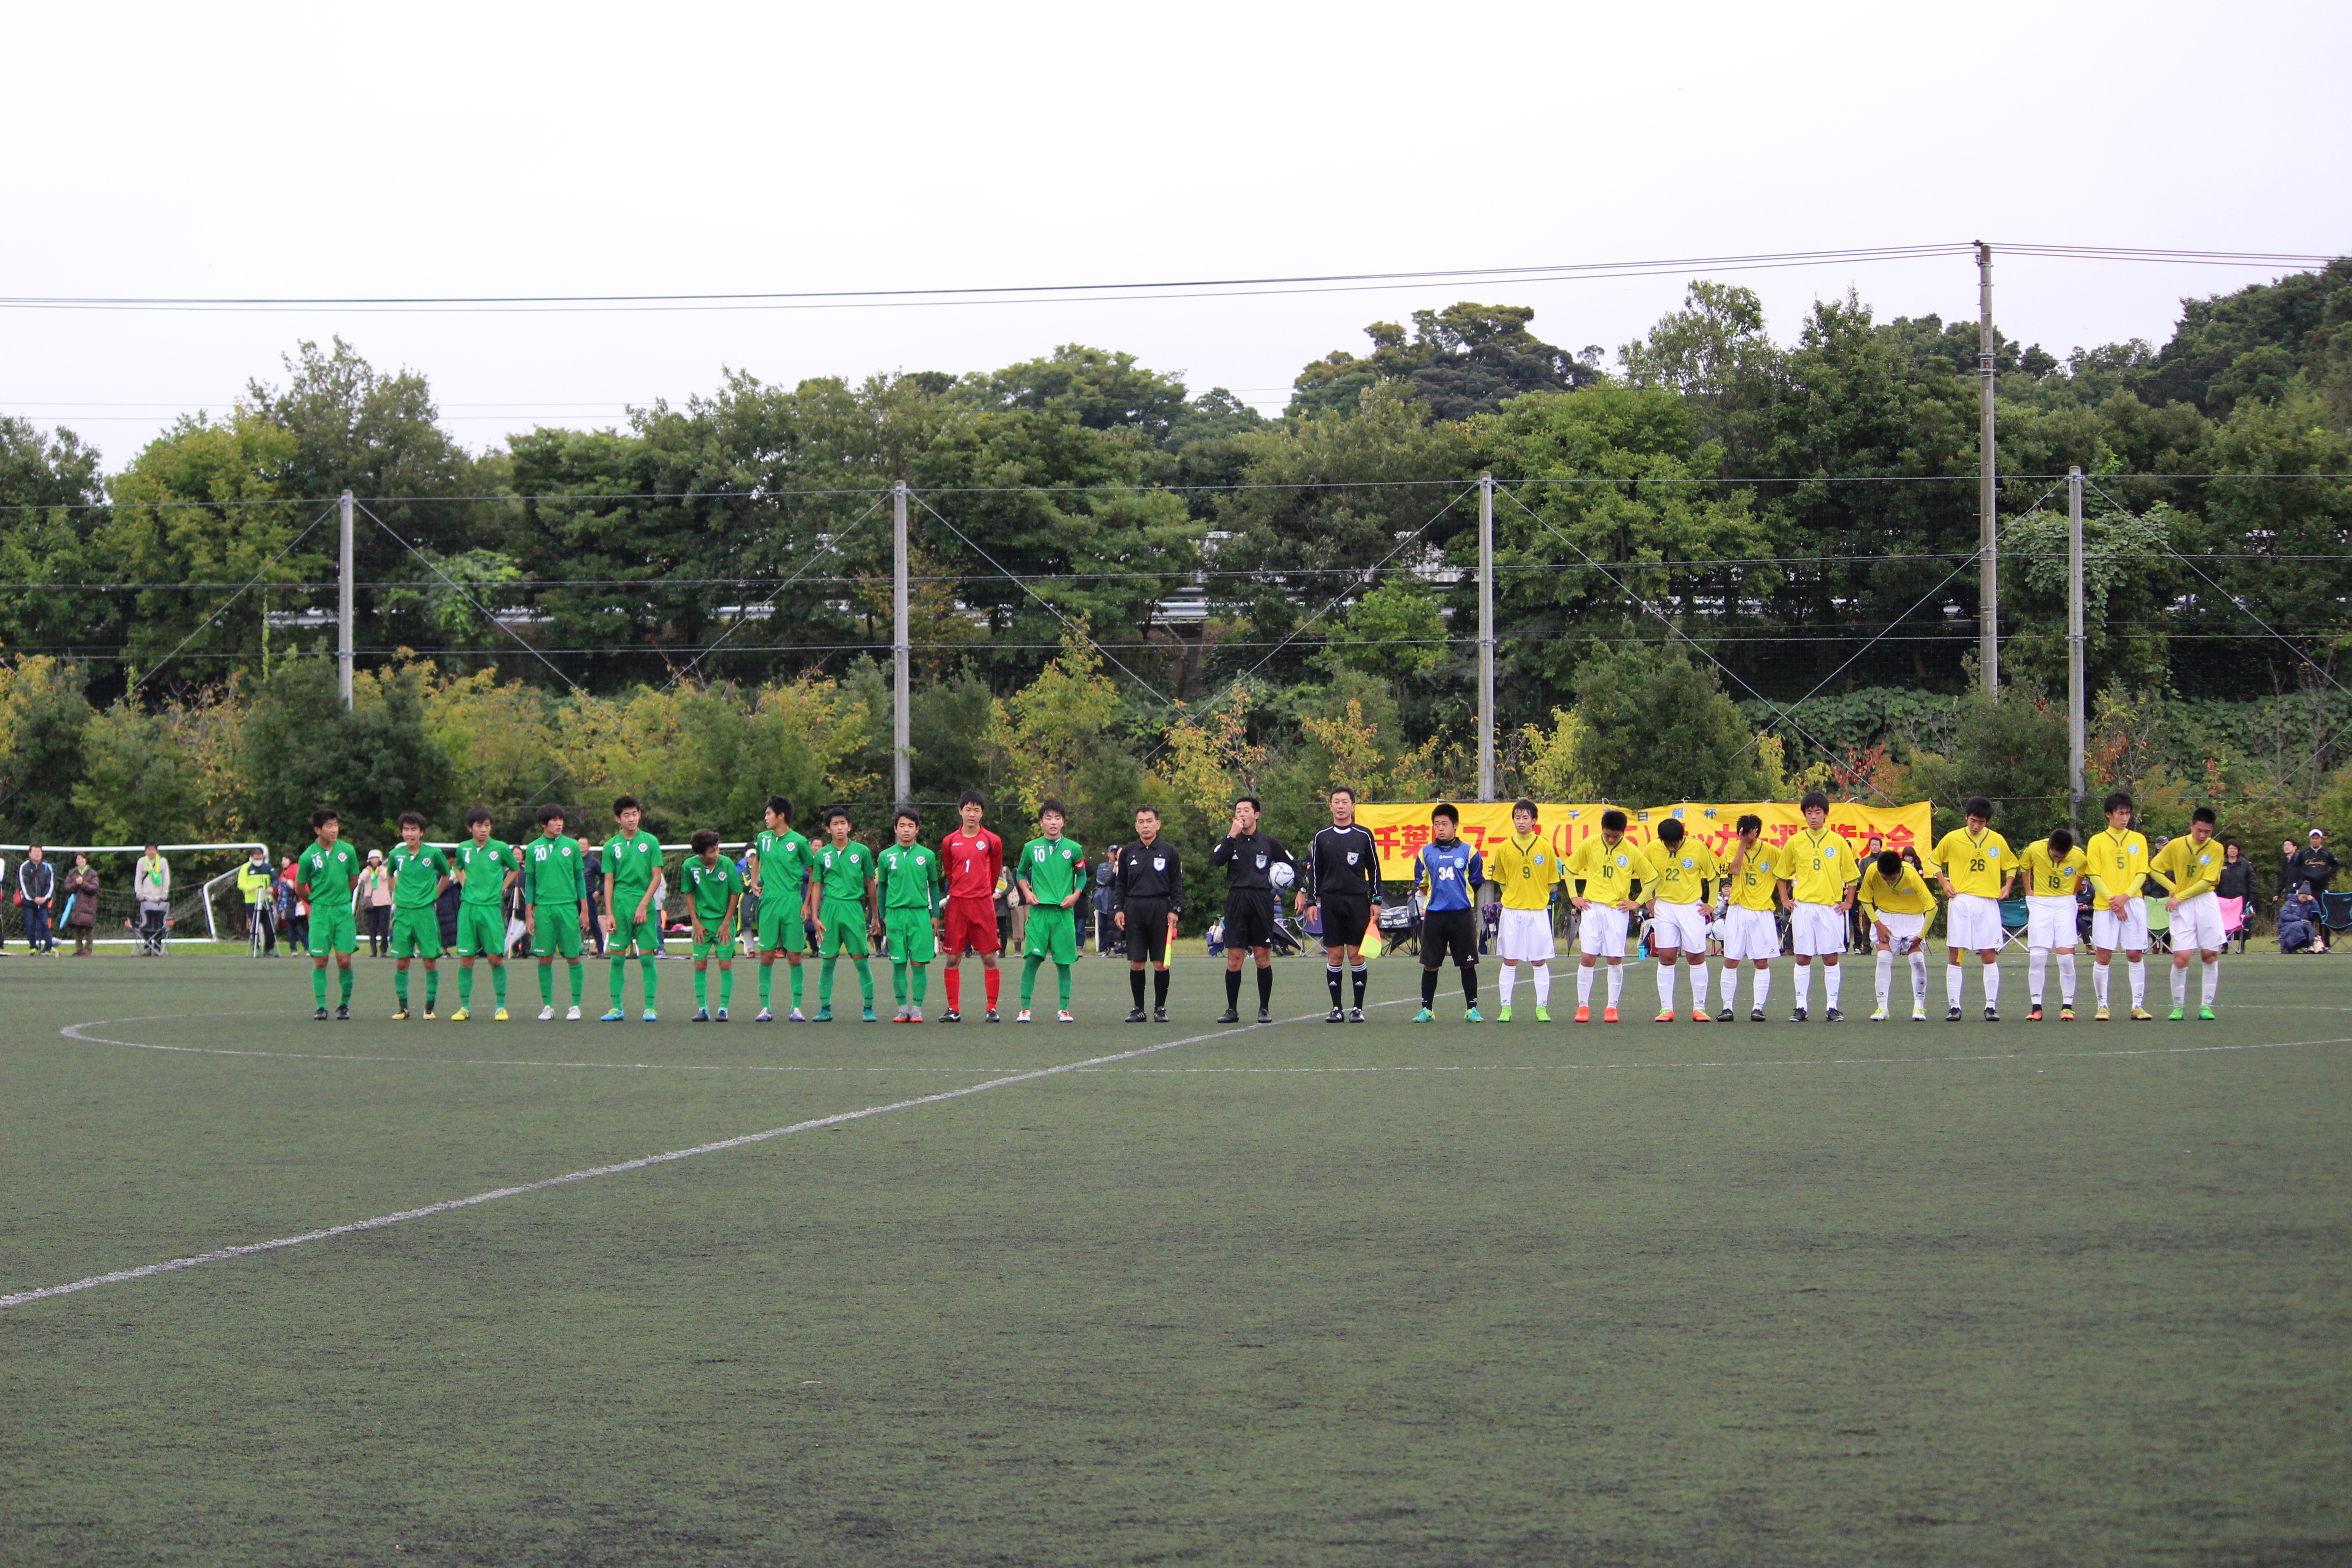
2100, 1016
914, 1015
1951, 1015
399, 1015
321, 1014
1993, 1015
1609, 1015
797, 1017
1063, 1016
615, 1016
2179, 1015
499, 1016
546, 1013
429, 1012
1725, 1015
950, 1017
1918, 1013
991, 1018
1470, 1015
1264, 1017
1583, 1016
1701, 1017
1796, 1016
1756, 1015
2142, 1016
900, 1016
1334, 1016
720, 1016
1668, 1016
460, 1016
649, 1016
700, 1016
763, 1016
1543, 1014
1022, 1017
1135, 1015
868, 1016
1356, 1014
1833, 1016
2066, 1013
1879, 1017
571, 1013
2205, 1015
824, 1015
1423, 1016
1503, 1013
1229, 1016
2034, 1014
344, 1014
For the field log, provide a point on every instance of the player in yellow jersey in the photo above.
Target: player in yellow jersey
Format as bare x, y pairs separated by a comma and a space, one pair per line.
1751, 931
2053, 870
1818, 875
1605, 876
1527, 868
1898, 902
1682, 870
2116, 861
1975, 868
2188, 870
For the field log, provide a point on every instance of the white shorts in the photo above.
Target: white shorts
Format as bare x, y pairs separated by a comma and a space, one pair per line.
2196, 923
1904, 929
2050, 920
1524, 936
1600, 932
1680, 928
1972, 923
2126, 933
1817, 930
1749, 934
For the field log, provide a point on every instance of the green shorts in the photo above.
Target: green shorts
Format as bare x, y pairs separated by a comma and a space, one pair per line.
1052, 933
481, 930
783, 927
907, 936
416, 933
645, 933
719, 942
555, 930
332, 931
844, 929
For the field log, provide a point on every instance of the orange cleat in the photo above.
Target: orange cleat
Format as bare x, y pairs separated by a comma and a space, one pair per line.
1665, 1017
1609, 1015
1701, 1018
1584, 1015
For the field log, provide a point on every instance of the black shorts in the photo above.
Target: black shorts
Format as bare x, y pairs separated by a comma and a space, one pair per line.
1449, 929
1147, 930
1345, 916
1249, 918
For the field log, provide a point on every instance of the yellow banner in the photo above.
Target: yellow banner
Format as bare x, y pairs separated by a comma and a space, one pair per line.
1400, 829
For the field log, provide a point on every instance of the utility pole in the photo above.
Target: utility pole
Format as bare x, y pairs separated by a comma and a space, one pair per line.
343, 607
1486, 636
1989, 588
2074, 715
901, 758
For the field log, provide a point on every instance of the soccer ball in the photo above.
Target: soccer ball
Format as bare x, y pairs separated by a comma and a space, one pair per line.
1281, 875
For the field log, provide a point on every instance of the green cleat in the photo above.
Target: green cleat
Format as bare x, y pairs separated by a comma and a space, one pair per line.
1470, 1015
1543, 1014
2205, 1013
2178, 1015
1423, 1016
1503, 1013
824, 1015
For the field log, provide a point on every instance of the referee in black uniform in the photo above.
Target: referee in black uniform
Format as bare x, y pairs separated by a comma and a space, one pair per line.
1343, 883
1247, 856
1146, 894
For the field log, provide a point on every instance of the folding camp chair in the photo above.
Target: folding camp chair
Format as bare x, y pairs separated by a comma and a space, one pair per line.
2336, 914
2015, 924
2159, 924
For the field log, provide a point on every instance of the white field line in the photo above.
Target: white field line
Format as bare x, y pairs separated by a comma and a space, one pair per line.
1739, 1067
220, 1255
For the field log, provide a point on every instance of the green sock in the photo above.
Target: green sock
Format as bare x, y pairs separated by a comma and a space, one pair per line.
1029, 977
432, 988
922, 982
865, 982
767, 984
344, 976
701, 990
726, 989
319, 983
899, 982
547, 983
796, 986
645, 968
825, 986
1062, 979
620, 966
465, 990
578, 977
499, 983
400, 987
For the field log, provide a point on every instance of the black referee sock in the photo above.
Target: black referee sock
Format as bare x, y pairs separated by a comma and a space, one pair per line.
1234, 990
1159, 988
1470, 984
1265, 987
1363, 976
1331, 978
1428, 986
1135, 984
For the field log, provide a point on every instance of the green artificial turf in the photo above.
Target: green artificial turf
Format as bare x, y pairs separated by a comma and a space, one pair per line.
1369, 1295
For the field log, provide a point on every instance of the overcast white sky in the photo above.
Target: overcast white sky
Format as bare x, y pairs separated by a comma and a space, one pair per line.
255, 150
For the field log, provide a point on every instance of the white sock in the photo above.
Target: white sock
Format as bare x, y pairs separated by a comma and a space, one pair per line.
1992, 985
1616, 983
1804, 988
2037, 964
1763, 983
2138, 982
1584, 985
2212, 979
2180, 986
1699, 987
2067, 979
1665, 987
1510, 974
1542, 977
1919, 979
1885, 976
1952, 982
1830, 978
2099, 978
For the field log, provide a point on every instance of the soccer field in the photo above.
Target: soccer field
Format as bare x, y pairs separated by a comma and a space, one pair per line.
1379, 1294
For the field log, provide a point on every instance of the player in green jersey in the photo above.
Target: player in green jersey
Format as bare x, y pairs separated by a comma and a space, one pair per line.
714, 898
419, 874
841, 902
782, 861
1051, 876
485, 870
912, 888
323, 877
558, 907
632, 918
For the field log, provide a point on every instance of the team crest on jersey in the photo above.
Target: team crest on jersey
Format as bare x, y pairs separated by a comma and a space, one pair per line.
1159, 862
1351, 857
1261, 862
1623, 860
1687, 862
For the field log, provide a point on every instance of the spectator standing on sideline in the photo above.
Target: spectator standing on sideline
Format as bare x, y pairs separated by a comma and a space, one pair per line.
4, 923
151, 884
253, 885
80, 891
36, 885
293, 910
2236, 888
376, 904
